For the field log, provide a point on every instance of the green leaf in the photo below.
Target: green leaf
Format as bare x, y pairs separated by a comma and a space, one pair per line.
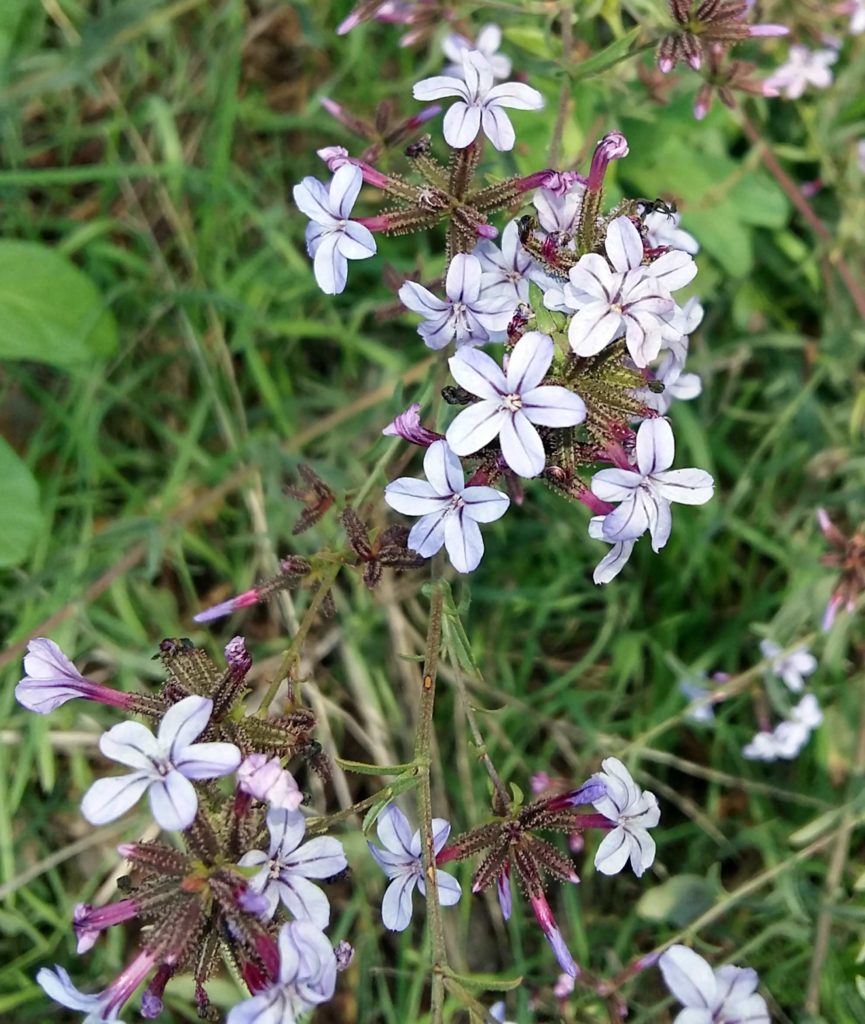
50, 312
360, 768
487, 982
20, 515
607, 57
679, 900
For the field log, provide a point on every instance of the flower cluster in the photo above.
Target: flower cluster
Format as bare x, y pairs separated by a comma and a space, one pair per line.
211, 891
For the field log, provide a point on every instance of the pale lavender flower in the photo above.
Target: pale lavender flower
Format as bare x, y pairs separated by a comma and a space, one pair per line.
629, 300
792, 667
790, 736
558, 211
678, 326
288, 866
633, 812
488, 41
401, 861
678, 386
100, 1007
506, 271
408, 426
307, 977
723, 996
615, 559
512, 402
646, 493
469, 314
163, 766
857, 17
662, 229
803, 67
265, 779
52, 679
331, 238
481, 104
449, 511
88, 921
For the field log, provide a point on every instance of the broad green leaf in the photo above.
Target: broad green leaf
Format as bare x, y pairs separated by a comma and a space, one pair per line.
50, 312
20, 515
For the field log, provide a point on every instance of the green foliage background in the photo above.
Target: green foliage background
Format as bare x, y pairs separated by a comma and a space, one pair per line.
169, 360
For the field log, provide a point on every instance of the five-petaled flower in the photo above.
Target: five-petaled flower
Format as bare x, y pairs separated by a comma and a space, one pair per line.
469, 314
449, 511
307, 977
331, 238
288, 866
802, 68
630, 299
481, 104
511, 402
726, 995
487, 43
791, 667
507, 271
163, 766
633, 812
402, 863
646, 492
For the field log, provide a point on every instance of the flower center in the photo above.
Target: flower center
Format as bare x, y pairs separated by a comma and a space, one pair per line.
513, 402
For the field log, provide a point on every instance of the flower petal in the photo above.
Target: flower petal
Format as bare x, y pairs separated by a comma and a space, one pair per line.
286, 830
522, 448
685, 486
208, 760
321, 857
529, 362
421, 300
463, 542
613, 853
463, 281
173, 802
478, 373
439, 87
629, 521
443, 469
593, 328
516, 96
330, 266
428, 534
356, 242
182, 723
498, 128
344, 189
396, 905
655, 446
615, 485
461, 125
624, 246
393, 830
687, 975
107, 799
552, 405
312, 198
132, 744
613, 562
476, 426
414, 497
484, 504
304, 901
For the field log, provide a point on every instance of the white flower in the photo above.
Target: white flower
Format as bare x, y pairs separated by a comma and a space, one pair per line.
633, 812
646, 494
265, 779
287, 868
401, 861
559, 213
630, 300
857, 17
101, 1007
678, 325
470, 315
615, 559
487, 44
331, 238
790, 736
804, 67
307, 977
481, 103
762, 747
662, 229
511, 402
163, 766
678, 386
449, 511
506, 271
723, 996
792, 667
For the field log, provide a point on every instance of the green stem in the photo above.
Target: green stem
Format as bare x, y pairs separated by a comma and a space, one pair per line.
423, 759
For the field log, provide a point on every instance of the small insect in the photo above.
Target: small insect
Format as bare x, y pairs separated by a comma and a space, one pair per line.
525, 228
171, 647
647, 206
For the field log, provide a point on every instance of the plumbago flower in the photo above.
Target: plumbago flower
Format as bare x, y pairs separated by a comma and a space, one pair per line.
616, 558
630, 300
402, 862
306, 977
506, 271
481, 104
662, 229
487, 44
790, 736
791, 668
163, 766
331, 238
511, 403
473, 312
633, 812
288, 866
646, 492
450, 511
726, 995
803, 67
265, 779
